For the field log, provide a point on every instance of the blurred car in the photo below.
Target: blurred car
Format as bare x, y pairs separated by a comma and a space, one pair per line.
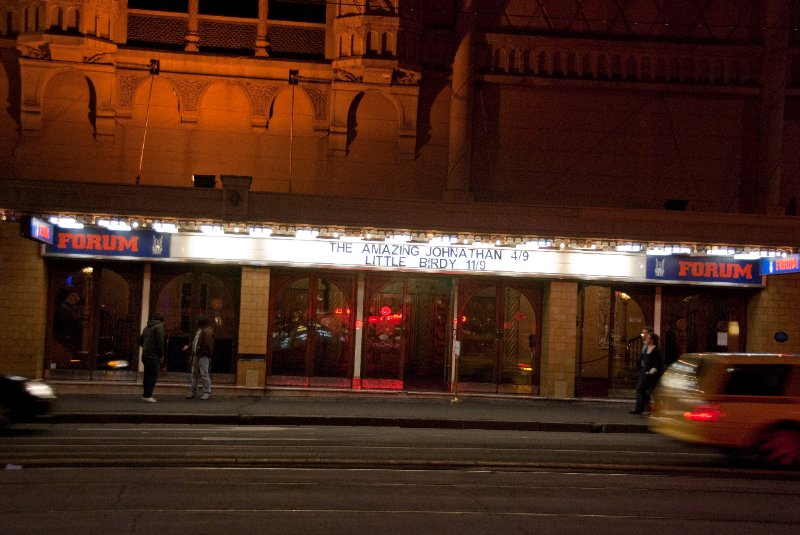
744, 402
23, 399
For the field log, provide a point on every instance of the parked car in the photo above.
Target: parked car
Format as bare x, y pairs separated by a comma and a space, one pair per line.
743, 402
23, 399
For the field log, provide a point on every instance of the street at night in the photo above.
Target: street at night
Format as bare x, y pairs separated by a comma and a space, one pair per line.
254, 479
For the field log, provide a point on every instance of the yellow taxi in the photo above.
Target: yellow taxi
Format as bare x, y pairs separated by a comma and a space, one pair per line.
746, 402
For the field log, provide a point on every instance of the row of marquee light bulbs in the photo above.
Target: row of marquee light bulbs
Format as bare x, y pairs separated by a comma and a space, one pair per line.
399, 237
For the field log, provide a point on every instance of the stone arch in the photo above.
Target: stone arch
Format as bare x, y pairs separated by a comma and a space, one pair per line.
164, 101
61, 102
302, 115
375, 129
225, 106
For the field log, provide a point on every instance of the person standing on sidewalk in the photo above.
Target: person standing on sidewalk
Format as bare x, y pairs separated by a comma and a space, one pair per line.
153, 342
651, 365
200, 354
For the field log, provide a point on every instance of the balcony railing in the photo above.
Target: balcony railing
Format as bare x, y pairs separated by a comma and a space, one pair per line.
157, 29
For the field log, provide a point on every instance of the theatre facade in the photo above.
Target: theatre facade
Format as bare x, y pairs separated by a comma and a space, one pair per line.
440, 196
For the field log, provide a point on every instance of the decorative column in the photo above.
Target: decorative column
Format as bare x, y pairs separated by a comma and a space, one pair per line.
774, 66
193, 37
460, 151
262, 43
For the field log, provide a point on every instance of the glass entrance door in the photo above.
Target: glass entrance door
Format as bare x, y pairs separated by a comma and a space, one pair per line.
93, 322
612, 320
311, 326
405, 333
498, 329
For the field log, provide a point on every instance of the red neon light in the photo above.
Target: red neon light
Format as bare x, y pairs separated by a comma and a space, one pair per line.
393, 318
359, 324
464, 319
385, 310
345, 311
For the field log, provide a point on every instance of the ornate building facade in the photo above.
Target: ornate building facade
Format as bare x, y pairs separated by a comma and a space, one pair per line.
398, 194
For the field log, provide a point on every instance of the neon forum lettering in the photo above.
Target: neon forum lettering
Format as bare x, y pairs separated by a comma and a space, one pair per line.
715, 270
98, 242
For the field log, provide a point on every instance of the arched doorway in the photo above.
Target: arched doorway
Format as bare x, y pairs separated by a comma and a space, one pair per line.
498, 328
311, 325
93, 323
405, 332
611, 322
181, 294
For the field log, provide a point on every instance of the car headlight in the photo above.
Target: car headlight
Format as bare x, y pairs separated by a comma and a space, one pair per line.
39, 390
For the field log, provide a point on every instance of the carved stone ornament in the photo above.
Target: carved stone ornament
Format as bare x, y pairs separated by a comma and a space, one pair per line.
260, 96
346, 76
128, 83
404, 77
381, 6
99, 58
189, 92
40, 52
320, 100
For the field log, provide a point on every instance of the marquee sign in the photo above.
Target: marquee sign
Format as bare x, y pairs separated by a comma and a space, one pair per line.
100, 242
776, 266
36, 229
713, 269
478, 259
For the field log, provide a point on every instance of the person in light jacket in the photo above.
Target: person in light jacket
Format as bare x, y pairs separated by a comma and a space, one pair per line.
200, 353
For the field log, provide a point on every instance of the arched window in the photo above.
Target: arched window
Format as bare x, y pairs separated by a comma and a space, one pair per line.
57, 19
73, 20
373, 44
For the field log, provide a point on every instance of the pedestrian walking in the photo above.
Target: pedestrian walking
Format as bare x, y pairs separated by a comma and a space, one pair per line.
200, 354
153, 342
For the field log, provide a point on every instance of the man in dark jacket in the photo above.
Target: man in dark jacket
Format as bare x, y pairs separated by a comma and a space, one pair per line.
651, 365
200, 353
153, 342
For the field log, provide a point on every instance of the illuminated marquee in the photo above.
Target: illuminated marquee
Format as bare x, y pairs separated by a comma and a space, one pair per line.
103, 242
36, 229
776, 266
700, 269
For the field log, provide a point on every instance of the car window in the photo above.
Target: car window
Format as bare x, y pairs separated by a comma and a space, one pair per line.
756, 380
684, 374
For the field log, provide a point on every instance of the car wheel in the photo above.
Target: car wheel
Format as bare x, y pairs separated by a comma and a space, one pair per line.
781, 447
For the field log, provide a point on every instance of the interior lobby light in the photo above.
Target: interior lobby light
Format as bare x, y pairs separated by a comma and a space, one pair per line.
629, 247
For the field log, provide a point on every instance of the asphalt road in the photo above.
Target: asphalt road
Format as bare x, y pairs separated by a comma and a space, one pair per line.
243, 479
43, 445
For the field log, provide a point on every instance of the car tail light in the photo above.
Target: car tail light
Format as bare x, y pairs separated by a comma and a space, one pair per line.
704, 413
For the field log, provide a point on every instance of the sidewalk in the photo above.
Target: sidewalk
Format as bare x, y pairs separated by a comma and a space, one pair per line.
473, 411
